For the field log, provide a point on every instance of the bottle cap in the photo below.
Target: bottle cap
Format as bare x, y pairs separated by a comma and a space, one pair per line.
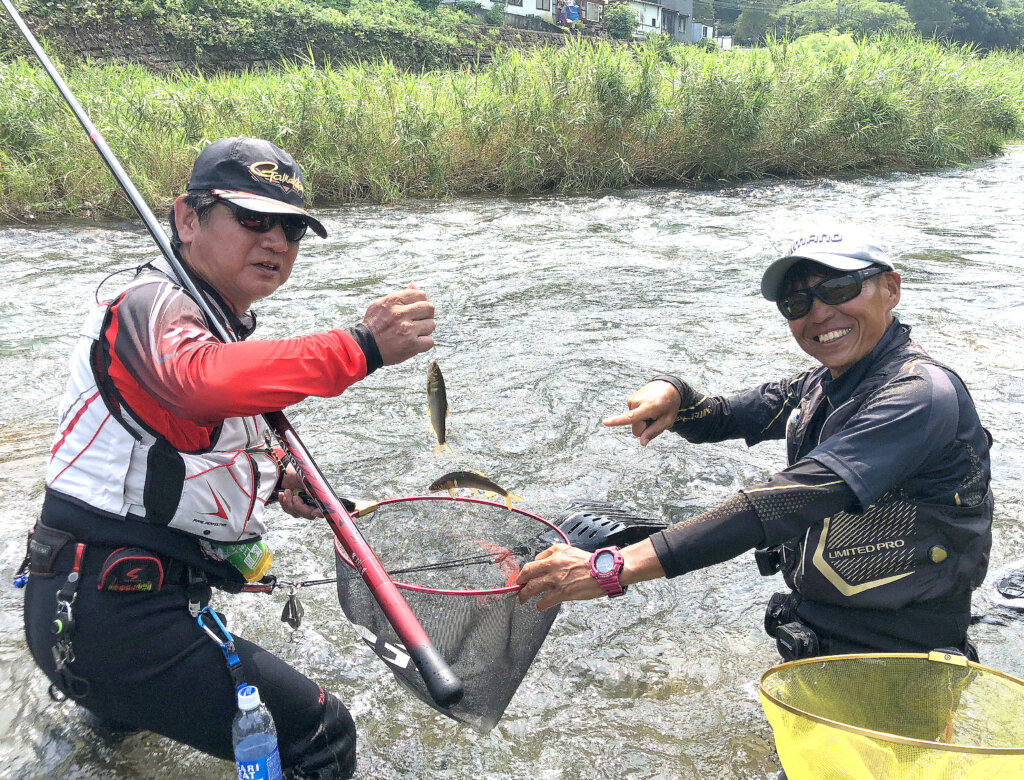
248, 698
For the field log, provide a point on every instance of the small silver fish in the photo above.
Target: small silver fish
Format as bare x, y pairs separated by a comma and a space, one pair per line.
437, 404
472, 480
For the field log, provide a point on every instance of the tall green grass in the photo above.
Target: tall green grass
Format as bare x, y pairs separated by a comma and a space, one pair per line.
585, 117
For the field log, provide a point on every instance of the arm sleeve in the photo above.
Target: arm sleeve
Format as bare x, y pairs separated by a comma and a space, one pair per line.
717, 535
162, 339
701, 418
904, 427
795, 499
763, 515
761, 414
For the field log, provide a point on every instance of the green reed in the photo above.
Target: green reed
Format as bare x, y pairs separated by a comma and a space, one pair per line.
584, 117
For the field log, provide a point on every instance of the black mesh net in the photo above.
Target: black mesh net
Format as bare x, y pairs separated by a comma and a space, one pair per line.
455, 561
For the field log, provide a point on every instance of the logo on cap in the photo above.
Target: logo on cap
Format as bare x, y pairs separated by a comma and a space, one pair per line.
267, 170
816, 238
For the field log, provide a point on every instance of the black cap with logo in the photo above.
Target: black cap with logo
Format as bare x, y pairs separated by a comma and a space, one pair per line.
254, 174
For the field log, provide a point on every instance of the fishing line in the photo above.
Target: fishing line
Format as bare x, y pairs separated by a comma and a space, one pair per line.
137, 269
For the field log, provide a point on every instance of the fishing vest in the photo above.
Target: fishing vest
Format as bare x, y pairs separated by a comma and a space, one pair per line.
898, 550
105, 457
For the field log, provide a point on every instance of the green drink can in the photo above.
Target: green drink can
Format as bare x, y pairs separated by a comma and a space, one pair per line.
252, 559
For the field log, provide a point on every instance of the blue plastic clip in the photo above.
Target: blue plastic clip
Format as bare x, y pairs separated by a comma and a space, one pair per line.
20, 580
225, 641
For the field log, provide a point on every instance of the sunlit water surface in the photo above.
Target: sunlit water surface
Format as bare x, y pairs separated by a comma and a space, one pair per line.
550, 312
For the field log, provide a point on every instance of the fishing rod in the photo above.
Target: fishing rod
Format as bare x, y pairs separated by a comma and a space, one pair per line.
444, 686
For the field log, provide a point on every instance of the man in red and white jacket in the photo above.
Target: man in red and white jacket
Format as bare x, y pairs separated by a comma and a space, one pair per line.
162, 465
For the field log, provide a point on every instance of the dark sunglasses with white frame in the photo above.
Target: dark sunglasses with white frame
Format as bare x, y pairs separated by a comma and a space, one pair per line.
838, 289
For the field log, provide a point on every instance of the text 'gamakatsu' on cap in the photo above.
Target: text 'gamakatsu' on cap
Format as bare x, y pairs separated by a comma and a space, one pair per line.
254, 174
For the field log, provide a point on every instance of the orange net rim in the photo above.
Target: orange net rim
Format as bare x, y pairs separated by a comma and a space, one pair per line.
885, 736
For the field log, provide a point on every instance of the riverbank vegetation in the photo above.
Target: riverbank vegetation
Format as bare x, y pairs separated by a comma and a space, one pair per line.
585, 117
230, 34
423, 34
985, 23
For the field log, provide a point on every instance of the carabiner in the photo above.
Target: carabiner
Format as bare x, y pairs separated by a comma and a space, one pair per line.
226, 644
227, 638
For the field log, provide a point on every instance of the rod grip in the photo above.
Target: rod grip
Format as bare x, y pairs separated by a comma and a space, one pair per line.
444, 687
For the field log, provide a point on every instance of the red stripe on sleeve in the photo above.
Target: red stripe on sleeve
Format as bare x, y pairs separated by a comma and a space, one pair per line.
183, 382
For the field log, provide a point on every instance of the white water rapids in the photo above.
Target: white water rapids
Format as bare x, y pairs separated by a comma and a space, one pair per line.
550, 311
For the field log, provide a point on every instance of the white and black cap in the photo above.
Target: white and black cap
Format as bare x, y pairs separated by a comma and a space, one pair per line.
254, 174
842, 248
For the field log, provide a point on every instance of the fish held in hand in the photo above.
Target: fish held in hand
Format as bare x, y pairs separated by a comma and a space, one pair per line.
437, 404
472, 480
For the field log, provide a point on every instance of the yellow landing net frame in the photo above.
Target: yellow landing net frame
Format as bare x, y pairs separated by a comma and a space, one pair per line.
895, 716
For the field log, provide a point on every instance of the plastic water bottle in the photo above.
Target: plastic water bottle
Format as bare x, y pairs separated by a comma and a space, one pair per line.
255, 738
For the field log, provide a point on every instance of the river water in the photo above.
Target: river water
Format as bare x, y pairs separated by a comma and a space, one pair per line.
550, 312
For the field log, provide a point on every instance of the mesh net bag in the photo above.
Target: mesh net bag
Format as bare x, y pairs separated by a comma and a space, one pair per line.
455, 560
884, 716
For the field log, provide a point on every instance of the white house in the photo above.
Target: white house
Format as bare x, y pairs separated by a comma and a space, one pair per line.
542, 8
702, 30
649, 14
669, 17
554, 11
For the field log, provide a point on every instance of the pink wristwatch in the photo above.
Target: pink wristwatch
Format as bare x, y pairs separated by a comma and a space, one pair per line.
605, 565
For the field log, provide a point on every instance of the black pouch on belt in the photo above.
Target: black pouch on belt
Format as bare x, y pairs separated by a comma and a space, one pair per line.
781, 609
44, 544
131, 570
796, 640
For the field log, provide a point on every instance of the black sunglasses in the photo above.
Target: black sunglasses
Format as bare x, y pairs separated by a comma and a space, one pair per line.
838, 289
293, 225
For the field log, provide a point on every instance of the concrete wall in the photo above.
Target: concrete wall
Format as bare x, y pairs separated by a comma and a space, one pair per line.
139, 44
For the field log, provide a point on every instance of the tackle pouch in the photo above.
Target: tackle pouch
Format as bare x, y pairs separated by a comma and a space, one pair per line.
131, 570
796, 640
44, 544
781, 609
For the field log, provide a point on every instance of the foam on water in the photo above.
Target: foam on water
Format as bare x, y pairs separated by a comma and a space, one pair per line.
551, 311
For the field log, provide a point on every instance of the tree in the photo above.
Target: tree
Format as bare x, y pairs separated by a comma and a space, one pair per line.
754, 24
933, 18
988, 22
620, 20
495, 15
703, 10
726, 17
852, 16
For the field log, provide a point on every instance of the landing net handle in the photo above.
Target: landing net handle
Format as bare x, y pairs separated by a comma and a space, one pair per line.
444, 686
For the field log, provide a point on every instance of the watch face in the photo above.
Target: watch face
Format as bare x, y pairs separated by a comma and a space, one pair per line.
604, 562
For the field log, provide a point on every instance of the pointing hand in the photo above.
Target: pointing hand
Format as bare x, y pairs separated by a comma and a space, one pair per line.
652, 410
